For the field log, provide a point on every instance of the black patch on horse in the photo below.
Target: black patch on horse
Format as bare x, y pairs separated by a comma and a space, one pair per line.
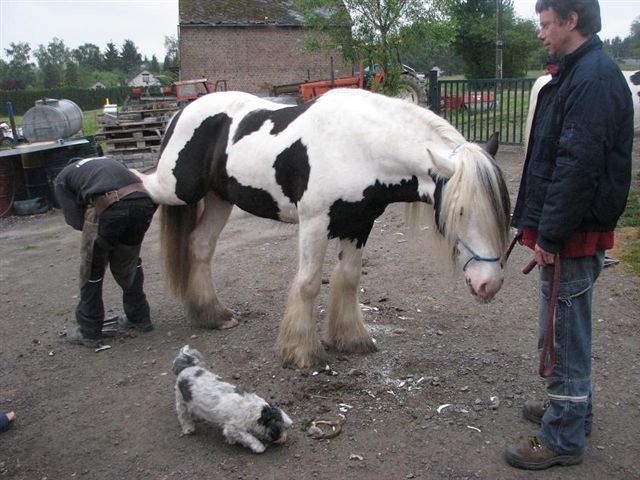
437, 202
353, 220
184, 385
199, 373
292, 171
202, 162
256, 201
280, 118
169, 131
635, 78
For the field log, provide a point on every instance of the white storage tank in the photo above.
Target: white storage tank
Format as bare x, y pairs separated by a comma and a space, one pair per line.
51, 119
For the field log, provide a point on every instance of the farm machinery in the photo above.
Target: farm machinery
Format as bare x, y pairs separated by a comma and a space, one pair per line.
181, 92
410, 86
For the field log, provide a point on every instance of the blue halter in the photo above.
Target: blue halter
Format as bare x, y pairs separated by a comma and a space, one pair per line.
474, 255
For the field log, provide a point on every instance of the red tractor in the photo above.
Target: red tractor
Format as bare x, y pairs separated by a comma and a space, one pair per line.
410, 88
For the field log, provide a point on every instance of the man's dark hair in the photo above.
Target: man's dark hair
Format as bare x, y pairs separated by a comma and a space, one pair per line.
588, 13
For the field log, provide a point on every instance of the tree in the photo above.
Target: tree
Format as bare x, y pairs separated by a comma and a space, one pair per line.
71, 76
634, 39
52, 61
130, 58
111, 57
88, 56
376, 29
171, 64
154, 65
19, 72
51, 76
476, 38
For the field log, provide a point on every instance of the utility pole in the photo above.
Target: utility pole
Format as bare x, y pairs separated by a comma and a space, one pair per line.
499, 39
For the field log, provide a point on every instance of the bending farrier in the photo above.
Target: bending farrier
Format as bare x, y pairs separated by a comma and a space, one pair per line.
108, 203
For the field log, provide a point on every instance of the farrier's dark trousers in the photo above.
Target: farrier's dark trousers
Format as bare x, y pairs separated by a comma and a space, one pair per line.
114, 238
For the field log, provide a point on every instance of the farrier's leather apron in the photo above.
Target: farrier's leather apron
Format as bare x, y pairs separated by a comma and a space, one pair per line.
89, 235
123, 258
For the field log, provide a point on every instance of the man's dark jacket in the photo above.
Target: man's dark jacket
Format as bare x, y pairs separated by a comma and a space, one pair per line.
577, 171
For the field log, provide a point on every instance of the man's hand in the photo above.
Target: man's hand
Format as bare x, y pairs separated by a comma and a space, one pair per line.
542, 257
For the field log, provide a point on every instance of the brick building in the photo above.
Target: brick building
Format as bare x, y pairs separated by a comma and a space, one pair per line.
252, 44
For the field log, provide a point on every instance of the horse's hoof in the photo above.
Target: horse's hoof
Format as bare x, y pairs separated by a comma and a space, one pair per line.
291, 360
210, 317
364, 346
228, 324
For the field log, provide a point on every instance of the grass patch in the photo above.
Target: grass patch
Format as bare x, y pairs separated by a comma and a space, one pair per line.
630, 224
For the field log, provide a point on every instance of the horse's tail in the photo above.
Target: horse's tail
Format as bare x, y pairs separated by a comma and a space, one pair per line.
176, 224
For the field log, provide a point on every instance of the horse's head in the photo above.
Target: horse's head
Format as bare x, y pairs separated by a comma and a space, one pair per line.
472, 213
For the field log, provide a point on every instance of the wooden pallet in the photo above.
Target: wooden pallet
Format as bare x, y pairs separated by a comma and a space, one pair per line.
133, 136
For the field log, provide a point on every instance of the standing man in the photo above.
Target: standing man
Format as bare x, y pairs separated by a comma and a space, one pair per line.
574, 188
109, 204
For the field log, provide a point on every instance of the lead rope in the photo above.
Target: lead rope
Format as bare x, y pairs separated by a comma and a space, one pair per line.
547, 354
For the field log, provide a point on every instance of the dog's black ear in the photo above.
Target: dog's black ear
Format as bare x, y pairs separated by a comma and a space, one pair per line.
188, 357
183, 361
271, 418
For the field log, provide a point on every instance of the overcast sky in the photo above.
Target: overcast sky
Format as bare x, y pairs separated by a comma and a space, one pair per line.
617, 15
147, 22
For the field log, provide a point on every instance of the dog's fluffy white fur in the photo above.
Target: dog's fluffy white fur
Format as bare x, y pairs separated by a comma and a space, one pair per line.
245, 418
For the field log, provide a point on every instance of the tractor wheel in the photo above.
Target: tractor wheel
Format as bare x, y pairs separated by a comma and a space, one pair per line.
411, 90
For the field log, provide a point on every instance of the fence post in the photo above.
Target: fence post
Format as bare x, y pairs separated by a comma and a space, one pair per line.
434, 91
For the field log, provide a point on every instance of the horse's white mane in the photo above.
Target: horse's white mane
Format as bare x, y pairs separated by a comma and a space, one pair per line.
476, 189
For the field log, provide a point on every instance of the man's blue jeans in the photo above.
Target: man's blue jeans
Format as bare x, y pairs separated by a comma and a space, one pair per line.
569, 387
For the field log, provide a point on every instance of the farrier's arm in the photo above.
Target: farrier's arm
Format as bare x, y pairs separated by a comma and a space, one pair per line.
72, 209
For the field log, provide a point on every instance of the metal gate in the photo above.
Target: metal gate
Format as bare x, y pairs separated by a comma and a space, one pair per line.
480, 107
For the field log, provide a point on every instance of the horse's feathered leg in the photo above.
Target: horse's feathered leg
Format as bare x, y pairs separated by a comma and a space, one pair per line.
299, 342
200, 299
345, 330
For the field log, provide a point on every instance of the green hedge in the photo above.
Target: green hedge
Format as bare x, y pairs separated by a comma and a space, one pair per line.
23, 100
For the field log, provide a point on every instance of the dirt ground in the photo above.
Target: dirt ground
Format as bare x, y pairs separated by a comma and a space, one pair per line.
110, 415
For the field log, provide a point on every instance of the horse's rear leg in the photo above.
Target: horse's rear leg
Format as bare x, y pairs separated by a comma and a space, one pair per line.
345, 328
201, 302
299, 342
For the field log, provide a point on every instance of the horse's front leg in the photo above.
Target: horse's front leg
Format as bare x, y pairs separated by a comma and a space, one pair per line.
201, 302
345, 330
299, 342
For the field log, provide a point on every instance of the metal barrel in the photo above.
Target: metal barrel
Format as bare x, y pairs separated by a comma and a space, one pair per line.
51, 119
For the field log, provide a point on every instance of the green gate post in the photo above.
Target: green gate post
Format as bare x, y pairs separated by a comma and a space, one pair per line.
434, 91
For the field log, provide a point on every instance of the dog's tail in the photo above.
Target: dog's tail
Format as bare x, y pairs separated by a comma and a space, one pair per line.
187, 357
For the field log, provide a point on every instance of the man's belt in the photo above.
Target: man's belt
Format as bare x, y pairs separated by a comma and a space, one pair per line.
102, 202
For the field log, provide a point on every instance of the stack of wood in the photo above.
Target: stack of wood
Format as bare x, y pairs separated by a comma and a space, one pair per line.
137, 130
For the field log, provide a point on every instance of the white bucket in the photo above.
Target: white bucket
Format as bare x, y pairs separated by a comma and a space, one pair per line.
110, 108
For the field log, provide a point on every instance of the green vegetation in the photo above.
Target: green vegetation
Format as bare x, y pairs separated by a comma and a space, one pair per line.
631, 218
57, 66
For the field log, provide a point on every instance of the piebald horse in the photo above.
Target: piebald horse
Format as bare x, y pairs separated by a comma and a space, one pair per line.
331, 165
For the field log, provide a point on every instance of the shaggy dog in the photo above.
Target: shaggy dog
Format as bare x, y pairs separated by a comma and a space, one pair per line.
245, 418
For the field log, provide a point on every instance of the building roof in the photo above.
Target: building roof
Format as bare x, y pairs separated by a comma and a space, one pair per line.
239, 13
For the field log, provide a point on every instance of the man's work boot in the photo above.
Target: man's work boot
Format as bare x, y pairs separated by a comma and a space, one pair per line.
531, 454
